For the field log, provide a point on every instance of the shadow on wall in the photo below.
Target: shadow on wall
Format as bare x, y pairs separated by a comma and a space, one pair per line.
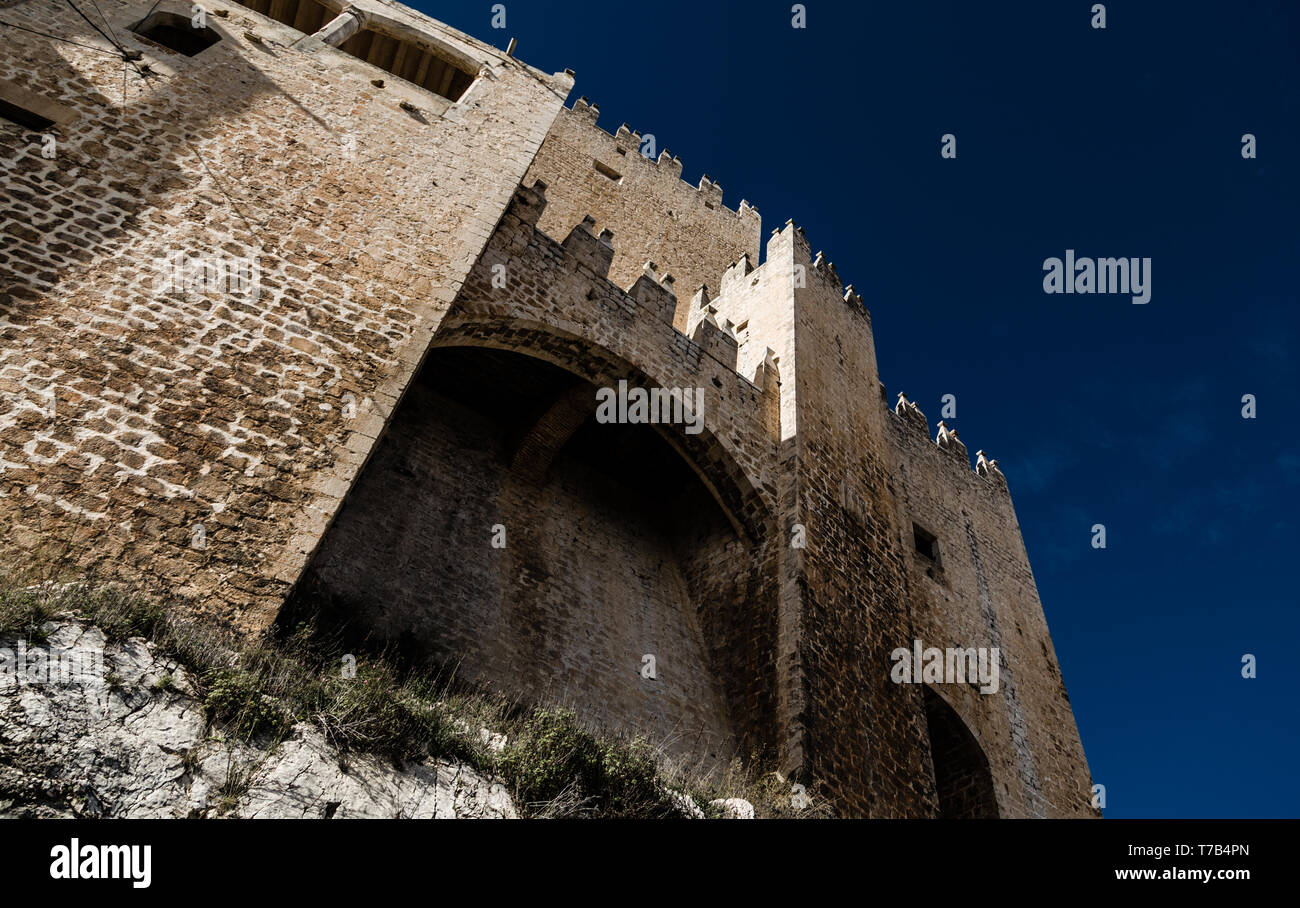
100, 297
119, 155
89, 234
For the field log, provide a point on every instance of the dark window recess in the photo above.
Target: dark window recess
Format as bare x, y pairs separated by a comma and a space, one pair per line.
176, 33
926, 543
425, 67
24, 117
307, 16
607, 171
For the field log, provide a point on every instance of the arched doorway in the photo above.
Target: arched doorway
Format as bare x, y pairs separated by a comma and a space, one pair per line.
500, 530
961, 771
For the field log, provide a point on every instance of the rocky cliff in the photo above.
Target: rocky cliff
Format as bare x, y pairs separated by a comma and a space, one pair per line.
123, 733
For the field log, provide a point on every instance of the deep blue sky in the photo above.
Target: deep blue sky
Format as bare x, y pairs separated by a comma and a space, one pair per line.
1122, 142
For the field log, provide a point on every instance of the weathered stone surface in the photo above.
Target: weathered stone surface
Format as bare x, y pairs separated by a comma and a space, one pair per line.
638, 194
124, 743
304, 780
200, 433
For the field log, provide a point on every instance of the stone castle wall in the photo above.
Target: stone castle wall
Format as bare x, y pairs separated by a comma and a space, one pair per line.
843, 602
204, 441
654, 215
981, 592
441, 287
859, 477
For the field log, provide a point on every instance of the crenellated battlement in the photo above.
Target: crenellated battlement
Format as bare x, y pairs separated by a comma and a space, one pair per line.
910, 424
717, 340
742, 274
745, 289
655, 292
651, 297
734, 304
654, 213
596, 251
626, 143
735, 275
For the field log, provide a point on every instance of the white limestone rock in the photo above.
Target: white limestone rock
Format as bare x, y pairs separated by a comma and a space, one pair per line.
733, 808
130, 739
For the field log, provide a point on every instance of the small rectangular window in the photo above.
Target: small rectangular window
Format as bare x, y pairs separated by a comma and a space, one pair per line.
23, 117
926, 543
607, 171
31, 110
427, 67
176, 33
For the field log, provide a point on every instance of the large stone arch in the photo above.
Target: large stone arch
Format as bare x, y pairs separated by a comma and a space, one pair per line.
549, 616
708, 456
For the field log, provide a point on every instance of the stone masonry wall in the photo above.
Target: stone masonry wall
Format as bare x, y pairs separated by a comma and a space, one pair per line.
759, 304
200, 442
654, 215
864, 732
982, 594
843, 592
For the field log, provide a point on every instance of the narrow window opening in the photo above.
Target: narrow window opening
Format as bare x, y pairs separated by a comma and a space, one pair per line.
307, 16
426, 67
176, 33
24, 117
607, 171
926, 543
31, 110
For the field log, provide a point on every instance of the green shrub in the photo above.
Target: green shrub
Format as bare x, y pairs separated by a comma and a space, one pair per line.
555, 761
235, 697
23, 612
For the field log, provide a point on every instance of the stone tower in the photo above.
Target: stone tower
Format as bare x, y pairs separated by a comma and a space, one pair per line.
324, 298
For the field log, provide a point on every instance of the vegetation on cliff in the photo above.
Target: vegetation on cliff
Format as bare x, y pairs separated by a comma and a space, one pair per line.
373, 702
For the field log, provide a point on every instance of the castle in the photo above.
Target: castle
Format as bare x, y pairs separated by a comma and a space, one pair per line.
317, 296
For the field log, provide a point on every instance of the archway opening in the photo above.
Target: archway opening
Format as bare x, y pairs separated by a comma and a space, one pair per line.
961, 771
499, 529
